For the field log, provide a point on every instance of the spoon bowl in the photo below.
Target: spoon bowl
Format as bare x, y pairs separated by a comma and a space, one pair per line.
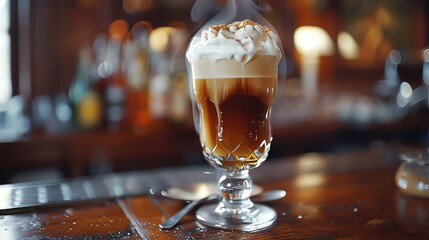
180, 194
198, 191
269, 196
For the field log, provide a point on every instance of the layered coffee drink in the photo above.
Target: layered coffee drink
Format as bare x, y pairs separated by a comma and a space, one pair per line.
234, 83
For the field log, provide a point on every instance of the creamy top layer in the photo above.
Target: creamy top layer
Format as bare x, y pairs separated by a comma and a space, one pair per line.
260, 66
239, 41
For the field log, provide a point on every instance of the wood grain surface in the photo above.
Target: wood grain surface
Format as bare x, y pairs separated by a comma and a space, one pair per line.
334, 197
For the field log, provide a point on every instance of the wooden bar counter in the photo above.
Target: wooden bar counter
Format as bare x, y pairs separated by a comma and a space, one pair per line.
348, 195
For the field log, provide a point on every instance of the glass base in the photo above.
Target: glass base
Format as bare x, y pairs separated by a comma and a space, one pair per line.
255, 218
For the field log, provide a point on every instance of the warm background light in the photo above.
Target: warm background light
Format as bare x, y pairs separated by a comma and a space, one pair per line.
357, 72
159, 38
347, 46
135, 6
313, 41
118, 29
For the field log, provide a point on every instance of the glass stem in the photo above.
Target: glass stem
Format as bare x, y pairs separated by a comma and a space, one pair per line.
236, 187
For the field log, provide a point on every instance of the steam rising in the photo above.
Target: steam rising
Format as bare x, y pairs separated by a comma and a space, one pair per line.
234, 10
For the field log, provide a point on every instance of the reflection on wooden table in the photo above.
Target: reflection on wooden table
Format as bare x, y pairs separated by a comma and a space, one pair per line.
350, 195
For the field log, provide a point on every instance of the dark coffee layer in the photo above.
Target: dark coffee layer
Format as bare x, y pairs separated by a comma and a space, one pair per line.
235, 118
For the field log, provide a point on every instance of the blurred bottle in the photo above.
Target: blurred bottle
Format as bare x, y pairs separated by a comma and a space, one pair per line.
63, 113
137, 57
86, 103
159, 88
180, 104
13, 121
115, 92
425, 56
51, 114
42, 113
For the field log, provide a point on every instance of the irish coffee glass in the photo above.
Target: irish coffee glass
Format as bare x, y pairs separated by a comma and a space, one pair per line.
232, 116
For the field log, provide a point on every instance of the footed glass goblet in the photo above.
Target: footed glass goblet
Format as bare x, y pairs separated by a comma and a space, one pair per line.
233, 71
232, 106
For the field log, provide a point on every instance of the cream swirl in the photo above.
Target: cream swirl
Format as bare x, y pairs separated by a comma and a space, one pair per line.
240, 41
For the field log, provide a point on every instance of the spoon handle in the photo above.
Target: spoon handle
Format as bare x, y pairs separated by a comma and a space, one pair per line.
171, 222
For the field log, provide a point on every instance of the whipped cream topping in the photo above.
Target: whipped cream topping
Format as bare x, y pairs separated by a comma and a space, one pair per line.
240, 41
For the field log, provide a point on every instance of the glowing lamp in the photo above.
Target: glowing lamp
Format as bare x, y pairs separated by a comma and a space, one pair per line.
311, 42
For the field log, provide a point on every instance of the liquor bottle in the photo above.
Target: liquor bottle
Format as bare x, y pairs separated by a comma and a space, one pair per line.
159, 87
137, 59
86, 103
115, 93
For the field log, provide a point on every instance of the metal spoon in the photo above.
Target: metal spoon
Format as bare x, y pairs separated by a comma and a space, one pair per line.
269, 196
198, 191
171, 222
263, 197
